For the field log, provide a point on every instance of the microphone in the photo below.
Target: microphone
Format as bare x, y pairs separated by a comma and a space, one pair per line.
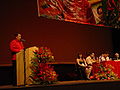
23, 40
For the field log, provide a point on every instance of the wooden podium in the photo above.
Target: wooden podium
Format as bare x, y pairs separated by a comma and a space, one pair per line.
23, 62
20, 68
28, 56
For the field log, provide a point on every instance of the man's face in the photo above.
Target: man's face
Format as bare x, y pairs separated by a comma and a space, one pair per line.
116, 54
18, 37
80, 55
92, 55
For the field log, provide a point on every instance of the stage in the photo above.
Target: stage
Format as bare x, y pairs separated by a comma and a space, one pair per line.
66, 80
71, 85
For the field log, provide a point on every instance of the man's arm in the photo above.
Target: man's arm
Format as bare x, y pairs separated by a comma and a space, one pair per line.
13, 47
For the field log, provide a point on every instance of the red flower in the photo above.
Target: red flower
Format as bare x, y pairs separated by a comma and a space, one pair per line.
42, 78
108, 72
98, 78
91, 77
36, 51
35, 77
108, 78
35, 70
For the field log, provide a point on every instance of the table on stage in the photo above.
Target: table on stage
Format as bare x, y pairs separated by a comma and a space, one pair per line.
115, 64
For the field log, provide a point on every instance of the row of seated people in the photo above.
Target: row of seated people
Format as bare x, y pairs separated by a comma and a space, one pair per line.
84, 66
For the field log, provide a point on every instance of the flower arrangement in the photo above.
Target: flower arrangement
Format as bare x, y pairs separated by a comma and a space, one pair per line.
42, 73
43, 55
104, 72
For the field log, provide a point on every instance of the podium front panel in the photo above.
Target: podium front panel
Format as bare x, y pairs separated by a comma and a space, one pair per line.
20, 68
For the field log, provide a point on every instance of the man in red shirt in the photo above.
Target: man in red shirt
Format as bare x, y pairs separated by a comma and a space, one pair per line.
16, 46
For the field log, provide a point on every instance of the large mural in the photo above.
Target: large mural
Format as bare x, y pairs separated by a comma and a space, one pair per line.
96, 12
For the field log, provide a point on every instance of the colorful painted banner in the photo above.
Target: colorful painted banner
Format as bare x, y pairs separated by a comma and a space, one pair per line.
105, 12
97, 9
78, 11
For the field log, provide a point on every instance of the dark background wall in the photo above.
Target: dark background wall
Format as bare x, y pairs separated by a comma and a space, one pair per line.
64, 38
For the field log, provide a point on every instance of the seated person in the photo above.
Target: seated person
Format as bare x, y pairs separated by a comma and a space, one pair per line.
104, 57
101, 58
116, 56
89, 60
81, 66
107, 57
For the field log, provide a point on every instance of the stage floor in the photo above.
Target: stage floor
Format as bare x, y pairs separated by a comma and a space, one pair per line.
77, 83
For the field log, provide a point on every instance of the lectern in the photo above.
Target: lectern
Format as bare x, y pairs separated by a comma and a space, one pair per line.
23, 62
20, 68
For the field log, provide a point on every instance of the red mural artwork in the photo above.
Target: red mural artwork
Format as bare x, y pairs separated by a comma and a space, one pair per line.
78, 11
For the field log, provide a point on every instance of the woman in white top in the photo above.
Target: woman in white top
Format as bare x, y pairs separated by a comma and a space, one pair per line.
89, 60
104, 57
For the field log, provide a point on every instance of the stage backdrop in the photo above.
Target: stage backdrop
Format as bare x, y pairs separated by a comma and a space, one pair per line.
65, 39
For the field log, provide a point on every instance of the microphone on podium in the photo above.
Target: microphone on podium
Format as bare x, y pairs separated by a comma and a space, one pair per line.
23, 40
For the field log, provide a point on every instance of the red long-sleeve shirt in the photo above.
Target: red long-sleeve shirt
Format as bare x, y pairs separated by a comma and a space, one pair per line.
15, 46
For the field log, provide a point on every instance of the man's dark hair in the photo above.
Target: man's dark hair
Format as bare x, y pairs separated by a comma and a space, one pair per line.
16, 34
